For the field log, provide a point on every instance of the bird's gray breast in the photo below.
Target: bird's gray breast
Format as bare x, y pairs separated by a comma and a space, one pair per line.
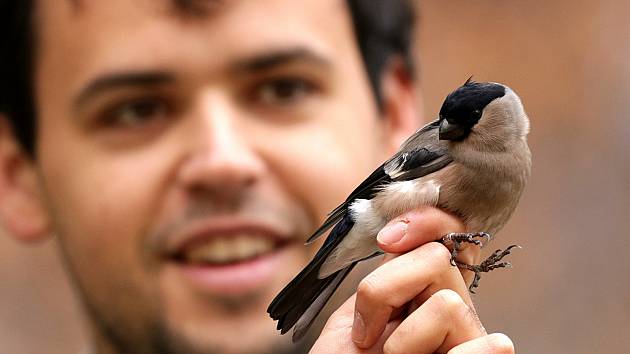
484, 188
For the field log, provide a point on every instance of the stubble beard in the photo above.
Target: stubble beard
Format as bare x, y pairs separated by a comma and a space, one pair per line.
116, 331
158, 338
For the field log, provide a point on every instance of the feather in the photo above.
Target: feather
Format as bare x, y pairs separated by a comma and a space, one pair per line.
305, 289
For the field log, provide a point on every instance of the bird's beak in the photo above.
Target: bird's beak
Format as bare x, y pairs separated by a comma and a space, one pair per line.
450, 131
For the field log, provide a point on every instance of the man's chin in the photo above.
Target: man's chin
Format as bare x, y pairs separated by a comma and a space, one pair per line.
222, 308
252, 335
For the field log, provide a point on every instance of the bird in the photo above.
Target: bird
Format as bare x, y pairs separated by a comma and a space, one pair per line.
473, 161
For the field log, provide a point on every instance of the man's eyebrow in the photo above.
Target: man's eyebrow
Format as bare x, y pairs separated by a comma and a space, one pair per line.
121, 80
273, 59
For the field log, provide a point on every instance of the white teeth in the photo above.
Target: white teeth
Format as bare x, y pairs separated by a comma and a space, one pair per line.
229, 249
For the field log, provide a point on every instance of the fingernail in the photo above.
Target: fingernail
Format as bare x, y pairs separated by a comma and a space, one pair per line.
358, 328
393, 233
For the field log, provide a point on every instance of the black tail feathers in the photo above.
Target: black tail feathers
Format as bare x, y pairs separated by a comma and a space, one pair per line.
299, 303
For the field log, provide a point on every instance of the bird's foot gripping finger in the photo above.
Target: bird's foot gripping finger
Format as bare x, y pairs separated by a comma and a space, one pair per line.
458, 238
491, 263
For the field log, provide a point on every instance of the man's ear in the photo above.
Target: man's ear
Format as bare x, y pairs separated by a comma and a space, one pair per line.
401, 105
22, 212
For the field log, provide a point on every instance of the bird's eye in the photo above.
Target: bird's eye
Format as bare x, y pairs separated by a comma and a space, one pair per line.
476, 114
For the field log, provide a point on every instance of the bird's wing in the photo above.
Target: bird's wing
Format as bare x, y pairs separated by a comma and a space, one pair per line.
416, 163
365, 190
425, 136
307, 292
420, 154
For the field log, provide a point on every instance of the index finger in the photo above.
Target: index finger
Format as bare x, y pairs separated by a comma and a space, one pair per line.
417, 227
414, 228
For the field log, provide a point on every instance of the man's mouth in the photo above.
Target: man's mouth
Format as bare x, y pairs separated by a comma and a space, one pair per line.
228, 258
228, 250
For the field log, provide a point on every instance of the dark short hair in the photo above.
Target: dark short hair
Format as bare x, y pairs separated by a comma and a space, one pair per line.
383, 29
16, 64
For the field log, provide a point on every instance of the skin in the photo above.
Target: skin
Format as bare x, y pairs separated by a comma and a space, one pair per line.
407, 311
213, 136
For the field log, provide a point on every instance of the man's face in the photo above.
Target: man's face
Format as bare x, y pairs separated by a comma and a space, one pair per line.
186, 155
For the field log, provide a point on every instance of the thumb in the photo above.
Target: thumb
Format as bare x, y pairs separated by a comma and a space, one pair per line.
336, 337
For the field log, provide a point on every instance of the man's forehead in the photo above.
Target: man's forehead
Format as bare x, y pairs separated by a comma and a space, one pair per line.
95, 38
186, 10
89, 16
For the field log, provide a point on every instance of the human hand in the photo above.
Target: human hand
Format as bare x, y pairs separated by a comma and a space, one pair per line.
416, 301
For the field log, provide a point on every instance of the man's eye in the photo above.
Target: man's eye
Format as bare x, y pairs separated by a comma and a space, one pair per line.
283, 91
136, 112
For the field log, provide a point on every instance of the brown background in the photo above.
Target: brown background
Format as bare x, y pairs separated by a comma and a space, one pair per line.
570, 289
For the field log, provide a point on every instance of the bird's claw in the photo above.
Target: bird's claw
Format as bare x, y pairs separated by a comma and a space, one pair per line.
457, 238
491, 263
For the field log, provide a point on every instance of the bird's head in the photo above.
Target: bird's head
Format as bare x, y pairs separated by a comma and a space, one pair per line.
484, 112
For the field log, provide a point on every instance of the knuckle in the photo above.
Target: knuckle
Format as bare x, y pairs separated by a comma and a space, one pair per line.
453, 306
450, 299
439, 222
500, 343
390, 347
438, 252
369, 289
397, 341
394, 346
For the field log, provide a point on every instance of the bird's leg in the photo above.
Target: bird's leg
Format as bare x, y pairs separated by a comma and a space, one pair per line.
457, 238
491, 263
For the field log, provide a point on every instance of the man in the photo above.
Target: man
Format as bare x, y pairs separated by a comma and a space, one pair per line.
182, 150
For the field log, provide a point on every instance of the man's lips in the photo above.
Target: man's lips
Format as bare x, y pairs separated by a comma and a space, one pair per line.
224, 240
233, 279
227, 256
228, 249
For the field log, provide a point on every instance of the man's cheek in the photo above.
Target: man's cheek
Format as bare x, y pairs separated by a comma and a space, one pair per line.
313, 165
99, 211
101, 236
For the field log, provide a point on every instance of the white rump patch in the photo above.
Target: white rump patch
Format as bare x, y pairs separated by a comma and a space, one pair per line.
360, 242
360, 207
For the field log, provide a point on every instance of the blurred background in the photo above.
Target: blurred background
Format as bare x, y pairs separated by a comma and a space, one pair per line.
569, 291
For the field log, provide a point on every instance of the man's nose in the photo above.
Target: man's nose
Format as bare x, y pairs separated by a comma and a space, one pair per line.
221, 159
